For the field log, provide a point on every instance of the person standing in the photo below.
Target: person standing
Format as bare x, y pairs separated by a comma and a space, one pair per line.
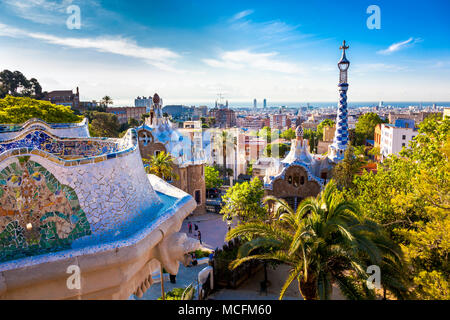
199, 235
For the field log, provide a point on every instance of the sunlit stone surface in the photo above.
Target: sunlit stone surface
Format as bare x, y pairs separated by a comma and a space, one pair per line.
69, 200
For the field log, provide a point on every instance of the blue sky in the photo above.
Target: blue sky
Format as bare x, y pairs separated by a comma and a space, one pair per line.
189, 51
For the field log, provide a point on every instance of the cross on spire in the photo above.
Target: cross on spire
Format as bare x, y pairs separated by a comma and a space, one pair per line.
343, 47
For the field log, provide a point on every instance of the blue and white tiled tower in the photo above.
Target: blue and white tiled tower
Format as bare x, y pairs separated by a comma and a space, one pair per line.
337, 148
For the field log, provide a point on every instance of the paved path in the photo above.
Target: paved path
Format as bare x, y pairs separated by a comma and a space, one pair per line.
185, 276
213, 229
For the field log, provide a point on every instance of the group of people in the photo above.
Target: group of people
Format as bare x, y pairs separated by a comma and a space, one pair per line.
199, 234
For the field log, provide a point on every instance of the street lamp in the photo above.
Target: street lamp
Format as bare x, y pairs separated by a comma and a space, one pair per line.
229, 221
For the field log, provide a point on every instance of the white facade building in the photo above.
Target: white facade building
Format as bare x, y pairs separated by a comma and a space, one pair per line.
393, 139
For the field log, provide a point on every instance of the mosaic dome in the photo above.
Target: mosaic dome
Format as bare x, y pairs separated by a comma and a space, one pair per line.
299, 132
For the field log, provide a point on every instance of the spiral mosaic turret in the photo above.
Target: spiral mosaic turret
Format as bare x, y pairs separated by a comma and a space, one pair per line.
340, 141
299, 132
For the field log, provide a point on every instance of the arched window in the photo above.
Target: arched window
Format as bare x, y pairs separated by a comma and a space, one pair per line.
302, 180
290, 179
296, 181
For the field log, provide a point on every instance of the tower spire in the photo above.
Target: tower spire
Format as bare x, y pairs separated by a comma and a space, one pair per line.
340, 141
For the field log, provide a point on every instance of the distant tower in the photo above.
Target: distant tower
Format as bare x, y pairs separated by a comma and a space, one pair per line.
255, 104
339, 145
265, 103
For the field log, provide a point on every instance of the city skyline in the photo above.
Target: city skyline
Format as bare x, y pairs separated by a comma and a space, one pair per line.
189, 52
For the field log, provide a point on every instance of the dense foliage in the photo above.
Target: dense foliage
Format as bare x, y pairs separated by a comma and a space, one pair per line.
288, 134
180, 294
244, 200
212, 179
324, 241
345, 170
19, 110
410, 196
313, 138
365, 127
102, 124
322, 125
14, 83
276, 150
161, 165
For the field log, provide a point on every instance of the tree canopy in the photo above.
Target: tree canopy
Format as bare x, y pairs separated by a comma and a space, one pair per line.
282, 150
410, 196
212, 179
324, 241
14, 83
365, 127
322, 125
288, 134
104, 124
244, 200
161, 165
20, 109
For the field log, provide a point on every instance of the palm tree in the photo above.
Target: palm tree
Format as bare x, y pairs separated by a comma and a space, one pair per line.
162, 166
225, 142
324, 241
106, 100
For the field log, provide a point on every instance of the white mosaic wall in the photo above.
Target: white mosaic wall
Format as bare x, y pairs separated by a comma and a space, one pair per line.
111, 193
80, 130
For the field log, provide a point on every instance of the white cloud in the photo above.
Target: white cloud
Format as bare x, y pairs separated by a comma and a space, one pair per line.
399, 45
379, 67
241, 15
39, 11
161, 58
242, 59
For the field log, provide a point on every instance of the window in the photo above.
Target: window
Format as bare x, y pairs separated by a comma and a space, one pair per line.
296, 181
404, 137
302, 180
198, 196
290, 180
157, 152
403, 144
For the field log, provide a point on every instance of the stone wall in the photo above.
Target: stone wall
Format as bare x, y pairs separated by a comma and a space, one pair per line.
295, 183
147, 144
192, 179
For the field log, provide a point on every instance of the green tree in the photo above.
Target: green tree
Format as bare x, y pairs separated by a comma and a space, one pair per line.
212, 179
313, 139
16, 84
283, 149
132, 123
267, 133
104, 124
410, 196
365, 127
345, 171
322, 125
325, 241
288, 134
244, 201
19, 110
161, 165
106, 101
